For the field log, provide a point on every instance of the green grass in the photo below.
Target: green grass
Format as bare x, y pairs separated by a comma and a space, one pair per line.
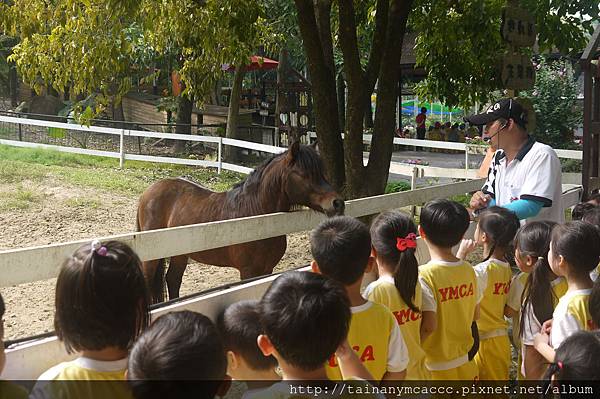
19, 199
21, 164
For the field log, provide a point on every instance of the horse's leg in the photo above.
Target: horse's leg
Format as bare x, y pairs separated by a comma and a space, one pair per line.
154, 274
177, 266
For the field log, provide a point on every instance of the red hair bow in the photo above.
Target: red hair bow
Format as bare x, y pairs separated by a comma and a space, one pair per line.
410, 241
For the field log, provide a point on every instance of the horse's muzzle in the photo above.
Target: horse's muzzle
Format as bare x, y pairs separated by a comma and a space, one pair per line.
339, 206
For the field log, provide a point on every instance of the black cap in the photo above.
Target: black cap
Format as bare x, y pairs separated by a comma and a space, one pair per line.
506, 108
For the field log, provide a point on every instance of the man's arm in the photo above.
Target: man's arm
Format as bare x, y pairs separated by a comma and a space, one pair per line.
525, 208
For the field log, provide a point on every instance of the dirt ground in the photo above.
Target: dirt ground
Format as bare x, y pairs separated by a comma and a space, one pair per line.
62, 213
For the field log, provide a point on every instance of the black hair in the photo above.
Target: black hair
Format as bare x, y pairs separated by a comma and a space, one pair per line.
2, 307
500, 225
576, 358
306, 317
423, 109
385, 231
239, 326
594, 303
591, 216
579, 244
341, 246
101, 300
580, 209
180, 355
533, 239
444, 222
595, 197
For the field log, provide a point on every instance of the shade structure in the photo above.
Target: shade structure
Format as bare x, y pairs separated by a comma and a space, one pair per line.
256, 63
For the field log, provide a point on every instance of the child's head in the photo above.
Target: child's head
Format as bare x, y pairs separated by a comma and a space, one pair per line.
180, 355
2, 354
592, 216
341, 248
580, 209
443, 223
532, 244
594, 305
393, 236
576, 358
305, 317
497, 228
240, 327
575, 249
101, 298
594, 199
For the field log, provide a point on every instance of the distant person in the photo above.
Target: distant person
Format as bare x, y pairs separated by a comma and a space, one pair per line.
524, 175
420, 121
453, 133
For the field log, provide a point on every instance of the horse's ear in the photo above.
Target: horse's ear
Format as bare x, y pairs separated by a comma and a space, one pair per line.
294, 150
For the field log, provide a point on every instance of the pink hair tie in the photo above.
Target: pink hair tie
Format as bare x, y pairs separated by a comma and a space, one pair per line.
98, 248
560, 365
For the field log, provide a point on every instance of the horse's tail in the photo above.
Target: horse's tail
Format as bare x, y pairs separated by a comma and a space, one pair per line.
157, 285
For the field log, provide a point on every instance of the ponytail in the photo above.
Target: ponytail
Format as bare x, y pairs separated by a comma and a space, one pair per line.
406, 277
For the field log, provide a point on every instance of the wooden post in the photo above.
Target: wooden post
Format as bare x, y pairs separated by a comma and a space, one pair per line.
413, 186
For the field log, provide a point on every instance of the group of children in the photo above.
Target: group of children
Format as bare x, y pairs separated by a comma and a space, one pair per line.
443, 320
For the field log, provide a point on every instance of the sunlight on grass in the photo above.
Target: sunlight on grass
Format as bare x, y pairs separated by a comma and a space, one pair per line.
20, 164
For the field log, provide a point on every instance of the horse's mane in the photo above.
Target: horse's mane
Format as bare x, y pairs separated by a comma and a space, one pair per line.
246, 191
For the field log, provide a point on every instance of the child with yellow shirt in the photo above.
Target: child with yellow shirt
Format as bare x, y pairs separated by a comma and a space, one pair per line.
101, 308
393, 239
495, 231
574, 253
341, 250
450, 294
533, 294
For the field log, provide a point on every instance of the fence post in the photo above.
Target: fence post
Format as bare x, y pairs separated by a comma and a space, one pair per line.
20, 133
220, 155
466, 158
413, 185
122, 148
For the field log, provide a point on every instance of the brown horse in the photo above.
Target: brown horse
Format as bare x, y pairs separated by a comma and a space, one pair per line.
293, 178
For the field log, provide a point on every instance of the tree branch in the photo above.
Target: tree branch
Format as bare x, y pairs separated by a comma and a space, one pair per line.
323, 18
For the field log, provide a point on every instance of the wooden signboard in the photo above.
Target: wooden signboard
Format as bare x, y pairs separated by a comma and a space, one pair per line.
518, 27
518, 73
295, 110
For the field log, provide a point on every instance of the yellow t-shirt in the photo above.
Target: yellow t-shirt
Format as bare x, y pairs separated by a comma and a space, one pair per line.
384, 292
450, 290
572, 314
84, 378
377, 340
493, 278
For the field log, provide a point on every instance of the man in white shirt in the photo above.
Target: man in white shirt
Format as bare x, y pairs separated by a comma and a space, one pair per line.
524, 175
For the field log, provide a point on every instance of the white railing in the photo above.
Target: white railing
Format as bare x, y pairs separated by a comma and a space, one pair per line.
28, 360
38, 263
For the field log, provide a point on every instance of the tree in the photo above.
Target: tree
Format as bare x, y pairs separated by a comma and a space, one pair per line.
554, 99
458, 43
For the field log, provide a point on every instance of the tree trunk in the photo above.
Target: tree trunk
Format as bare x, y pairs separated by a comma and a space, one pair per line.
369, 114
183, 121
341, 96
387, 94
230, 152
324, 92
13, 85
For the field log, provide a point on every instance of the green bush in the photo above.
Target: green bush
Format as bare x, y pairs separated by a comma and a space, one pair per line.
397, 186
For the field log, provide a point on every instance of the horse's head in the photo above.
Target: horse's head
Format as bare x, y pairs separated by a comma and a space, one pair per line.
306, 183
